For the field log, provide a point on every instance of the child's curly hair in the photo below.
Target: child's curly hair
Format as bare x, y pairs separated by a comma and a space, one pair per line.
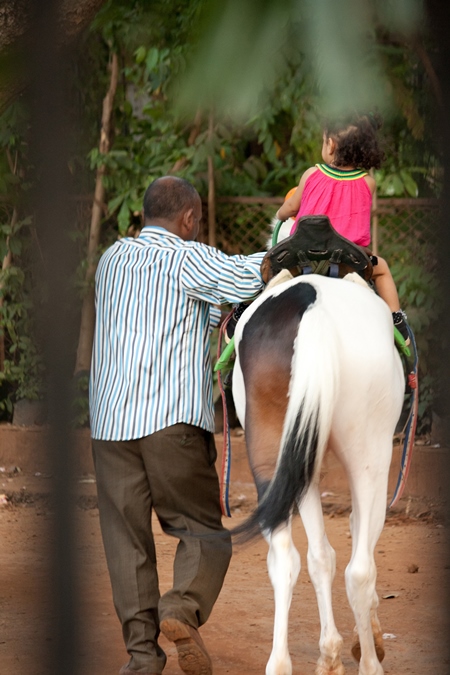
356, 140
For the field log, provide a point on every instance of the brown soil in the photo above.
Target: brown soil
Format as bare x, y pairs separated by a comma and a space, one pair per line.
413, 585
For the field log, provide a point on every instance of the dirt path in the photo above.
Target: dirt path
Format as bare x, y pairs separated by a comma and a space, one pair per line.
413, 568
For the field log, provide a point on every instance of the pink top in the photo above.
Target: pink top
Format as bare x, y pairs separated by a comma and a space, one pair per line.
344, 197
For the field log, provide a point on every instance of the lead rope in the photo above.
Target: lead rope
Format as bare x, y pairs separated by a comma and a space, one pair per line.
226, 448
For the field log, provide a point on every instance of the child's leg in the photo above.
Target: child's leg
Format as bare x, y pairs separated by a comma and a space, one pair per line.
386, 289
385, 284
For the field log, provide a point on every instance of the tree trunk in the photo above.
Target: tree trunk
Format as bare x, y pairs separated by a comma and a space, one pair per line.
6, 263
84, 350
211, 187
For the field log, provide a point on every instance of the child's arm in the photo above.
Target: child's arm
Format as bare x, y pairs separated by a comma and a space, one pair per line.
291, 206
371, 183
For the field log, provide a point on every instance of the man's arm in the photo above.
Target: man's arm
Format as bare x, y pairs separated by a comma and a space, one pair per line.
212, 276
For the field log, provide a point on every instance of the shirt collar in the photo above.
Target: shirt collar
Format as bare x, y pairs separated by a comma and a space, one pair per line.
157, 230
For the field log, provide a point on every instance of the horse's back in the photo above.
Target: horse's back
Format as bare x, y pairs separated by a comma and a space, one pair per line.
360, 320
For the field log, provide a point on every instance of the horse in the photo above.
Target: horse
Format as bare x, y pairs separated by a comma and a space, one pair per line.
316, 368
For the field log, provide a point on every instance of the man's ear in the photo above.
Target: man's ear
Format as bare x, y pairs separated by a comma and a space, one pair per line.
188, 221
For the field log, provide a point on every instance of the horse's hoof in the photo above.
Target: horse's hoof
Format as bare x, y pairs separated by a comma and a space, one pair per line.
279, 667
322, 669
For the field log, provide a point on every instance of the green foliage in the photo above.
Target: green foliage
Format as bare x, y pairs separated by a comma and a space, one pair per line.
22, 372
397, 184
149, 138
263, 154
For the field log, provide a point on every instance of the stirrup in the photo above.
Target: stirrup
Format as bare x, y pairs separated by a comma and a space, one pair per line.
400, 323
234, 318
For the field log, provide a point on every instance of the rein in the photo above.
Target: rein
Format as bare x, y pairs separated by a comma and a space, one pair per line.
226, 448
411, 422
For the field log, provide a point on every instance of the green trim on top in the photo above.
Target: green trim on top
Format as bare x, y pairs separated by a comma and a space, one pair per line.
341, 174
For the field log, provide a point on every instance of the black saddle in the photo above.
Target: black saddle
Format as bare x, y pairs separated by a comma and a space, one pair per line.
316, 247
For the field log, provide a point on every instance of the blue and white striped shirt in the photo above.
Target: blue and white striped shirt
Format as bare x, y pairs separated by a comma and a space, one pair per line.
155, 298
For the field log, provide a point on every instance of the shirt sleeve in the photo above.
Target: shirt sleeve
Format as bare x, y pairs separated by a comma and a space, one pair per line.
212, 276
215, 314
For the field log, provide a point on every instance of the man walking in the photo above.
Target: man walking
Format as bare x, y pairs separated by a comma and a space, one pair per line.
152, 422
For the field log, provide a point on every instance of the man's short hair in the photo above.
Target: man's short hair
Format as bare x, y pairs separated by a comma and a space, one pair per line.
166, 197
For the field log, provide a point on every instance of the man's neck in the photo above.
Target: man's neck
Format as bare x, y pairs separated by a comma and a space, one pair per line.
168, 225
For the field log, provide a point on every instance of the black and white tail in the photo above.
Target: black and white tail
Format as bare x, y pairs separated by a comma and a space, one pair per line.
312, 398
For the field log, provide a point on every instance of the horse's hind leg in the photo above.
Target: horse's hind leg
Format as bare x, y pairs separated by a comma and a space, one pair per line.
322, 567
369, 489
283, 563
375, 623
283, 560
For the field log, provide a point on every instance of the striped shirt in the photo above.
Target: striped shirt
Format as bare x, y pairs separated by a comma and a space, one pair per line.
155, 309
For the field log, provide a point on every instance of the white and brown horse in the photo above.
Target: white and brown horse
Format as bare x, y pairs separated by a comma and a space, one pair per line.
316, 368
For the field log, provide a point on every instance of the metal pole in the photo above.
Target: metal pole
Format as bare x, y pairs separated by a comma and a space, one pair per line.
53, 218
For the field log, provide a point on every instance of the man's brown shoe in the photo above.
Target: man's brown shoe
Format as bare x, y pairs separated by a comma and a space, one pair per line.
193, 658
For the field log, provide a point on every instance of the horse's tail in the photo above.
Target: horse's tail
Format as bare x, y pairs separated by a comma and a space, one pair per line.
307, 424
